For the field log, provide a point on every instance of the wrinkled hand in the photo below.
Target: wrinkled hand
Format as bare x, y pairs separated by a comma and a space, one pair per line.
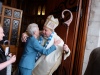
66, 48
56, 42
24, 37
12, 59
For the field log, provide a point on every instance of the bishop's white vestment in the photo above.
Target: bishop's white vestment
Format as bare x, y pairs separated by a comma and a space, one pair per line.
46, 65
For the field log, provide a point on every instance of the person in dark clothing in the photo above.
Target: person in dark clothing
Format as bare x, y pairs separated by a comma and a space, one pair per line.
3, 62
93, 67
2, 59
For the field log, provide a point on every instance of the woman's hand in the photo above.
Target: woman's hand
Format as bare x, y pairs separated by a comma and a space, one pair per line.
12, 59
56, 41
24, 37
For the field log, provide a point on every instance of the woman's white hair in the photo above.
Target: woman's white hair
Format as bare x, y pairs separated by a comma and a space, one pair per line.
32, 28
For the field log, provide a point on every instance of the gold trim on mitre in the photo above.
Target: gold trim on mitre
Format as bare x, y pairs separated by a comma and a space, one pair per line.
51, 22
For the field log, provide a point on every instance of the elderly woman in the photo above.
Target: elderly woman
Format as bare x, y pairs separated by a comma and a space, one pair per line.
3, 61
32, 47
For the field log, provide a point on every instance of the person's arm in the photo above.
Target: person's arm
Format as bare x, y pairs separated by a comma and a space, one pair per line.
41, 49
6, 63
64, 47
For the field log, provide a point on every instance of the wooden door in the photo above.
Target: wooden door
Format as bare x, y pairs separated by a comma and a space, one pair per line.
10, 19
76, 35
75, 7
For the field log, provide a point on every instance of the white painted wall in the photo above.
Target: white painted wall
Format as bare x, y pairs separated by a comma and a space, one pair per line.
93, 36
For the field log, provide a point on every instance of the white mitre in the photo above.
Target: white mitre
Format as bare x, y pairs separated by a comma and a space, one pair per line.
51, 22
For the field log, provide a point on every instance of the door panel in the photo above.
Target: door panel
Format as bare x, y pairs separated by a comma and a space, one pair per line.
10, 19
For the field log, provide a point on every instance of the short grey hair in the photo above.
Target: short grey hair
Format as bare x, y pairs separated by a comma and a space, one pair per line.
32, 28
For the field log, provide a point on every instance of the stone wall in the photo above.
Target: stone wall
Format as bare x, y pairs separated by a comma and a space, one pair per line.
93, 36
